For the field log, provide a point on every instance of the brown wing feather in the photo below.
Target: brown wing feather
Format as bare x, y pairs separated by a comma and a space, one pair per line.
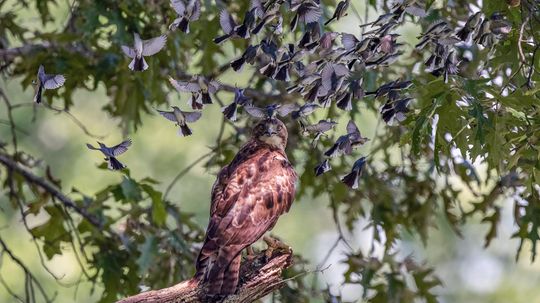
247, 199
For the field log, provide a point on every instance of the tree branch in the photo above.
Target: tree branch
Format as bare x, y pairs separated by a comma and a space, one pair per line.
51, 189
257, 279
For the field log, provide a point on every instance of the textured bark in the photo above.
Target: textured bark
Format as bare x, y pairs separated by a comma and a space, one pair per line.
257, 279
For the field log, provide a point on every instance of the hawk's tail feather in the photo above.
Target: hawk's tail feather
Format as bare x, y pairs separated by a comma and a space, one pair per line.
224, 274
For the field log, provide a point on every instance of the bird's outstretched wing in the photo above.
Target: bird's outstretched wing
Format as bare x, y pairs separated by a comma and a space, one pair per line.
53, 81
121, 148
128, 51
195, 10
179, 85
178, 6
192, 116
168, 115
226, 21
255, 112
154, 45
286, 109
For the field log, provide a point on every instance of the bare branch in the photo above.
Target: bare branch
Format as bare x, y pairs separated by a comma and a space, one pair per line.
51, 189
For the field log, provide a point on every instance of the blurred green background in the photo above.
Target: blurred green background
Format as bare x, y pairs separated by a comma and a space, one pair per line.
469, 272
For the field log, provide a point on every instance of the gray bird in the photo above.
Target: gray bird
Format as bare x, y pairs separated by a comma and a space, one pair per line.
351, 179
322, 168
143, 48
181, 118
307, 11
470, 26
112, 152
230, 111
341, 11
319, 129
270, 111
186, 14
346, 143
305, 110
200, 89
46, 81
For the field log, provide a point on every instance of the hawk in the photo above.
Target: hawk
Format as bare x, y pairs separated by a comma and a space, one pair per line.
247, 198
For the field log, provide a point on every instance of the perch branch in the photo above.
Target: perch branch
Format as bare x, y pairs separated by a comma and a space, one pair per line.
257, 279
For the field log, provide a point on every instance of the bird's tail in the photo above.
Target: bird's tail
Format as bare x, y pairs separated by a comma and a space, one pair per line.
138, 64
230, 111
114, 164
238, 63
219, 269
37, 97
184, 25
184, 131
218, 40
351, 179
206, 99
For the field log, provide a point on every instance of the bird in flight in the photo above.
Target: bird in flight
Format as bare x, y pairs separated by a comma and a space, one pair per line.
186, 14
182, 119
112, 152
143, 48
248, 197
46, 81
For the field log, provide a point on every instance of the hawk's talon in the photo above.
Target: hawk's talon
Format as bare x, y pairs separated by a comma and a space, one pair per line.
250, 254
274, 245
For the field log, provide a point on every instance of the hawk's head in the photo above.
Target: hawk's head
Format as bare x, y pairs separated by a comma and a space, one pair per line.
272, 132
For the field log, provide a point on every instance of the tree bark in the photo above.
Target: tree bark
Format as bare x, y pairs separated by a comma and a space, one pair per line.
257, 279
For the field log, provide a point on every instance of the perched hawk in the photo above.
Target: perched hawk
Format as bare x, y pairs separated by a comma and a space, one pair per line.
247, 198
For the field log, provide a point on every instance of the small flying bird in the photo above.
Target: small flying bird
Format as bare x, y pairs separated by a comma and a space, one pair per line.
266, 19
319, 129
322, 168
143, 48
351, 179
395, 109
305, 110
200, 89
112, 152
232, 29
355, 92
341, 11
248, 24
382, 20
325, 42
186, 14
270, 111
228, 25
230, 111
46, 81
307, 11
181, 118
450, 67
470, 26
346, 143
391, 89
249, 56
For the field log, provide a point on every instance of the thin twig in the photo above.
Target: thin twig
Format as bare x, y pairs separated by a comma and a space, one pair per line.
184, 172
51, 189
29, 276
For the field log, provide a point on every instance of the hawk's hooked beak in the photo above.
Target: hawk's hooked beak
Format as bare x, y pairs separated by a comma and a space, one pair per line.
270, 130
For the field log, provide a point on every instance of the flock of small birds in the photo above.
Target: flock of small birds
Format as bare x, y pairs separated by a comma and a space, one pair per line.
337, 75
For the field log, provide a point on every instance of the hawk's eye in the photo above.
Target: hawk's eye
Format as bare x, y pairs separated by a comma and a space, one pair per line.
279, 128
